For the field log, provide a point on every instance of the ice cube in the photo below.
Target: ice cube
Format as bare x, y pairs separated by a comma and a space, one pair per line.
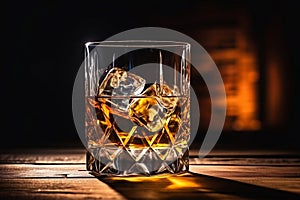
120, 83
167, 97
153, 109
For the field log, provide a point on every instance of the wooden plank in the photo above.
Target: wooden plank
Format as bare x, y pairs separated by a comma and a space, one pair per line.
71, 156
43, 171
44, 156
192, 186
56, 188
274, 177
51, 181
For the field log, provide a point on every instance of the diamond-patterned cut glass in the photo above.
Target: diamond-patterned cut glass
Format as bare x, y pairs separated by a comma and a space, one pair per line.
135, 125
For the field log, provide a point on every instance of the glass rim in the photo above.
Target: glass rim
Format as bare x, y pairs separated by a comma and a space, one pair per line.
137, 43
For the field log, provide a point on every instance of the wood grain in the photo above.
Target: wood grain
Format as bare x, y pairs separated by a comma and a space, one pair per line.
61, 174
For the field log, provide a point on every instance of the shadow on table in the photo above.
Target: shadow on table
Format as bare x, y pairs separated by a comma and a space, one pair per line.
191, 186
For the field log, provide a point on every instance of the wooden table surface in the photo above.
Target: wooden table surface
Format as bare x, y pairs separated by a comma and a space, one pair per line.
61, 174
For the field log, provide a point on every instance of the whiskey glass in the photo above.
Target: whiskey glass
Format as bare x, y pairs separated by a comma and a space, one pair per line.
137, 107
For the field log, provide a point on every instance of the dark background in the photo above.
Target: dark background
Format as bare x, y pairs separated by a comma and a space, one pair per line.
42, 49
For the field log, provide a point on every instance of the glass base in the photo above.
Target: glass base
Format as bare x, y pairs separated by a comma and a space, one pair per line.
116, 161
